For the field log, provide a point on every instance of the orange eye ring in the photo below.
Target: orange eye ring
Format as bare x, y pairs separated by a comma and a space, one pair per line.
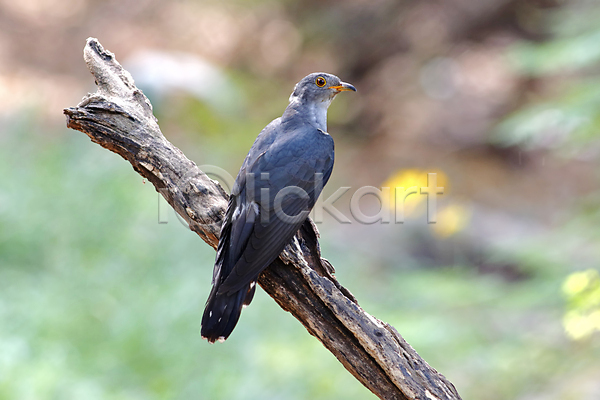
320, 81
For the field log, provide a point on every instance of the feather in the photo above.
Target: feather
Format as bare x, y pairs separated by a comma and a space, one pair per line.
279, 182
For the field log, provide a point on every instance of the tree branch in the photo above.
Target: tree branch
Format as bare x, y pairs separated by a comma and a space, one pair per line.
119, 117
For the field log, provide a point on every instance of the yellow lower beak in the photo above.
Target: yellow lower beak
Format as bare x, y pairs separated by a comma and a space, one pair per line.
343, 86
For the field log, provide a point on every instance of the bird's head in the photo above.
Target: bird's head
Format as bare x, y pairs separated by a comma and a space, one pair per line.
319, 87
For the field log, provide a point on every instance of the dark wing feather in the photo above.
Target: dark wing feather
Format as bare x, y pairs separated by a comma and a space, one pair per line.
289, 163
250, 241
265, 244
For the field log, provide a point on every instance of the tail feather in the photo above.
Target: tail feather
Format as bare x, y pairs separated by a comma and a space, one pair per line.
223, 311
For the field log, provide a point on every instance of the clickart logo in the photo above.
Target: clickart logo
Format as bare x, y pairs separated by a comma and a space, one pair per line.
397, 196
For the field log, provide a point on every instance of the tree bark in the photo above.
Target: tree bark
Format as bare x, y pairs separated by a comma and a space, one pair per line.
119, 118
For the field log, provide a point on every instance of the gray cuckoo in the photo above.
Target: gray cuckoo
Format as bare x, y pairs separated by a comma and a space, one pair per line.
277, 186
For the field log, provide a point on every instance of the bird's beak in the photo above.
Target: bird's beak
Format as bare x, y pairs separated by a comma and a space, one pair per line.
343, 86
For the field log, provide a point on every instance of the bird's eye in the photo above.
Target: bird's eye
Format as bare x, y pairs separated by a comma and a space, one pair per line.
320, 81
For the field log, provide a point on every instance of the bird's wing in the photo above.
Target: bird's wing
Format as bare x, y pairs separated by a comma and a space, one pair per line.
258, 229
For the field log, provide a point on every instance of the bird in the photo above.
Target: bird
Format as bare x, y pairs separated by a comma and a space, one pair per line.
278, 184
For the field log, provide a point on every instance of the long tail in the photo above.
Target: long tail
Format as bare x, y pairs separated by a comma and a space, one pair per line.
223, 311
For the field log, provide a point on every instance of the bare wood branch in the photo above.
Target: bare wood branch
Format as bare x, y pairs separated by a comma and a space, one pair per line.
119, 117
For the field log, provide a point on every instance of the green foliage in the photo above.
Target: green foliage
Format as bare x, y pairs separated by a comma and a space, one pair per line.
563, 117
566, 119
99, 301
492, 339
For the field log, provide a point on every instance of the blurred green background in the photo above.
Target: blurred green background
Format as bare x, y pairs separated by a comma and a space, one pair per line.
98, 300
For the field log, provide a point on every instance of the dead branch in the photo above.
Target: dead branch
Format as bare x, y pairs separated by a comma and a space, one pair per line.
119, 118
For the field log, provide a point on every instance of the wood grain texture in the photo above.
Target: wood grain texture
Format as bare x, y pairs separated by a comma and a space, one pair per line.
119, 118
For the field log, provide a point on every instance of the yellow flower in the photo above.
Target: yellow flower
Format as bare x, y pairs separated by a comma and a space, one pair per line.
582, 290
578, 282
406, 184
451, 219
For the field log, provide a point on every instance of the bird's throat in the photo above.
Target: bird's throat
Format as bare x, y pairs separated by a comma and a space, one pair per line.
314, 112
